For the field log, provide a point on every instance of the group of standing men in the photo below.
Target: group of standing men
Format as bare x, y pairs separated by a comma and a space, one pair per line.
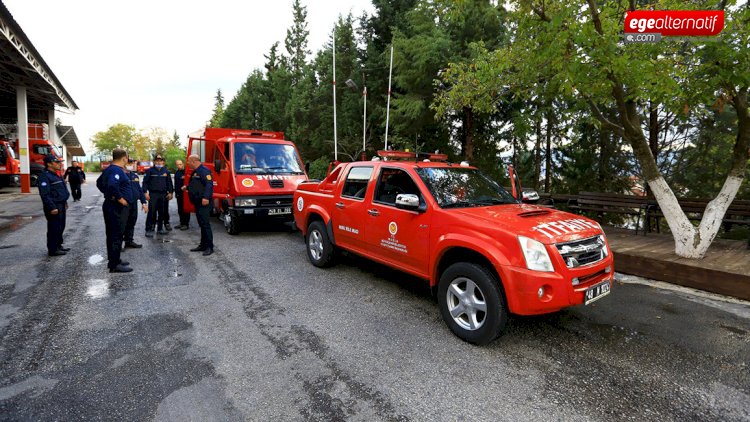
121, 188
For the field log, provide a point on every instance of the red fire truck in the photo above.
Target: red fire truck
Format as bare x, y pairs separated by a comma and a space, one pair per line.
39, 146
255, 174
484, 252
10, 166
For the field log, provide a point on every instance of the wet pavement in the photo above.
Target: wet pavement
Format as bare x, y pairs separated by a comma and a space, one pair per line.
254, 332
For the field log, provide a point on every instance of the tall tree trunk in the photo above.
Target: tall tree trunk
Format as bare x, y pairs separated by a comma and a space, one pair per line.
537, 154
603, 135
653, 135
548, 153
468, 144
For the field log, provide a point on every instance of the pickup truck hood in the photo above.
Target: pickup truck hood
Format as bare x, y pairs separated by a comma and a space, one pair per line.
543, 224
267, 184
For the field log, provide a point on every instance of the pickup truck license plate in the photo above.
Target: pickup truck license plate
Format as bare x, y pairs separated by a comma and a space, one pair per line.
280, 211
595, 292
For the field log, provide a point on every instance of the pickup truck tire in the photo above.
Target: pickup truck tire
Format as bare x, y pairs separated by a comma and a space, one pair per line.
471, 302
320, 250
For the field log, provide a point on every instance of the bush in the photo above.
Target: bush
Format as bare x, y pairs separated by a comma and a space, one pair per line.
319, 168
92, 167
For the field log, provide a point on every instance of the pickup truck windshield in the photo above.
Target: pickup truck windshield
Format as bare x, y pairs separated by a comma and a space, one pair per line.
257, 158
463, 187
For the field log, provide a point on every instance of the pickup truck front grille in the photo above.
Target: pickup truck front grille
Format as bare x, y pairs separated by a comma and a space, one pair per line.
582, 252
278, 201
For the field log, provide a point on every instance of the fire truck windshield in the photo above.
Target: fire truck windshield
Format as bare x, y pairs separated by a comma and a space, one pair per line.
259, 158
458, 187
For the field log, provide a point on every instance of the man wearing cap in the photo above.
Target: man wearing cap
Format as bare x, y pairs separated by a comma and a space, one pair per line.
200, 189
157, 184
137, 194
116, 208
55, 196
179, 182
75, 176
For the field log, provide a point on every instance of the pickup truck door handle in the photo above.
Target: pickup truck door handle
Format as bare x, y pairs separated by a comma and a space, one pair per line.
373, 212
339, 205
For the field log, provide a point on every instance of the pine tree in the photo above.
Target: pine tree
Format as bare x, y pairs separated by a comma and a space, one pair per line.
218, 110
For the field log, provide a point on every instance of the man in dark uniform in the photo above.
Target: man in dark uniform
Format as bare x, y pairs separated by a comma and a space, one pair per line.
201, 191
75, 176
55, 196
157, 184
137, 194
179, 182
116, 208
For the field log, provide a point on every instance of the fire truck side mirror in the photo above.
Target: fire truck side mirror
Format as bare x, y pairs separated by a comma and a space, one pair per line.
217, 166
409, 201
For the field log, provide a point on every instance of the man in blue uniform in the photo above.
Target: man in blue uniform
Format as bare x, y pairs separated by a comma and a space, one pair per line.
55, 196
157, 185
179, 182
75, 176
201, 191
137, 195
116, 208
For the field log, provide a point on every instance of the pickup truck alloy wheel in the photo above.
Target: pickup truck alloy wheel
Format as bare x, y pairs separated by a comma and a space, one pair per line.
472, 303
466, 304
319, 246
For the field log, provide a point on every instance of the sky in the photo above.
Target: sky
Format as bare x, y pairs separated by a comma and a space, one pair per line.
159, 63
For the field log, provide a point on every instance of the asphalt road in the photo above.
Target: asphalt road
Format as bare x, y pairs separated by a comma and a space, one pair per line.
255, 332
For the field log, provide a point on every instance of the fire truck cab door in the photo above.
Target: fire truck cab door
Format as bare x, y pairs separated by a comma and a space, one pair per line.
398, 235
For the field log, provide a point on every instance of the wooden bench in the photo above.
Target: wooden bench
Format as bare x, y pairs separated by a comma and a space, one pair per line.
610, 203
737, 213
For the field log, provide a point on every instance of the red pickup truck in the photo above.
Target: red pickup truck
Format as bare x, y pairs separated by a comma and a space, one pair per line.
483, 252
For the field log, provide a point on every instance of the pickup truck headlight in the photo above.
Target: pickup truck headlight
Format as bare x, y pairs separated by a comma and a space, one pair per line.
604, 245
245, 202
536, 255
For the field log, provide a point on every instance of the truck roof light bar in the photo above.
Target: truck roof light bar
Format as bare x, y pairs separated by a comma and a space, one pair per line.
408, 155
272, 135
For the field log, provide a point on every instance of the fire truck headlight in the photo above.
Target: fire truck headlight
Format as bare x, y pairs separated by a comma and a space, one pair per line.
536, 255
245, 202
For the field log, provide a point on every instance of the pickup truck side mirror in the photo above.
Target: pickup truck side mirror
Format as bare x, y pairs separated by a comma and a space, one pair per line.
409, 201
217, 166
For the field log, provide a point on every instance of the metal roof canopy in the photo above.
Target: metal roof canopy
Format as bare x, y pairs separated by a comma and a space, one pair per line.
70, 139
22, 65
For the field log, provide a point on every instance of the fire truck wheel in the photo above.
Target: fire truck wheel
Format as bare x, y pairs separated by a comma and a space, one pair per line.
34, 178
319, 247
471, 302
230, 223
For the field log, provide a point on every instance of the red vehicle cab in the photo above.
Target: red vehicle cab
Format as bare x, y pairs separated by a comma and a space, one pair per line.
142, 166
255, 174
484, 252
10, 166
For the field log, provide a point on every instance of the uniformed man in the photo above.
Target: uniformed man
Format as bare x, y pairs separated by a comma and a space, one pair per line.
55, 196
179, 182
201, 191
75, 176
137, 195
116, 209
158, 187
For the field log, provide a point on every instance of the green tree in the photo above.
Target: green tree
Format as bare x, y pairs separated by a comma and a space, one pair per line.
578, 46
116, 136
216, 117
296, 42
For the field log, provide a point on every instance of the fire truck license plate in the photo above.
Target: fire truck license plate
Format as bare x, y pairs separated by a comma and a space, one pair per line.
595, 292
280, 211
